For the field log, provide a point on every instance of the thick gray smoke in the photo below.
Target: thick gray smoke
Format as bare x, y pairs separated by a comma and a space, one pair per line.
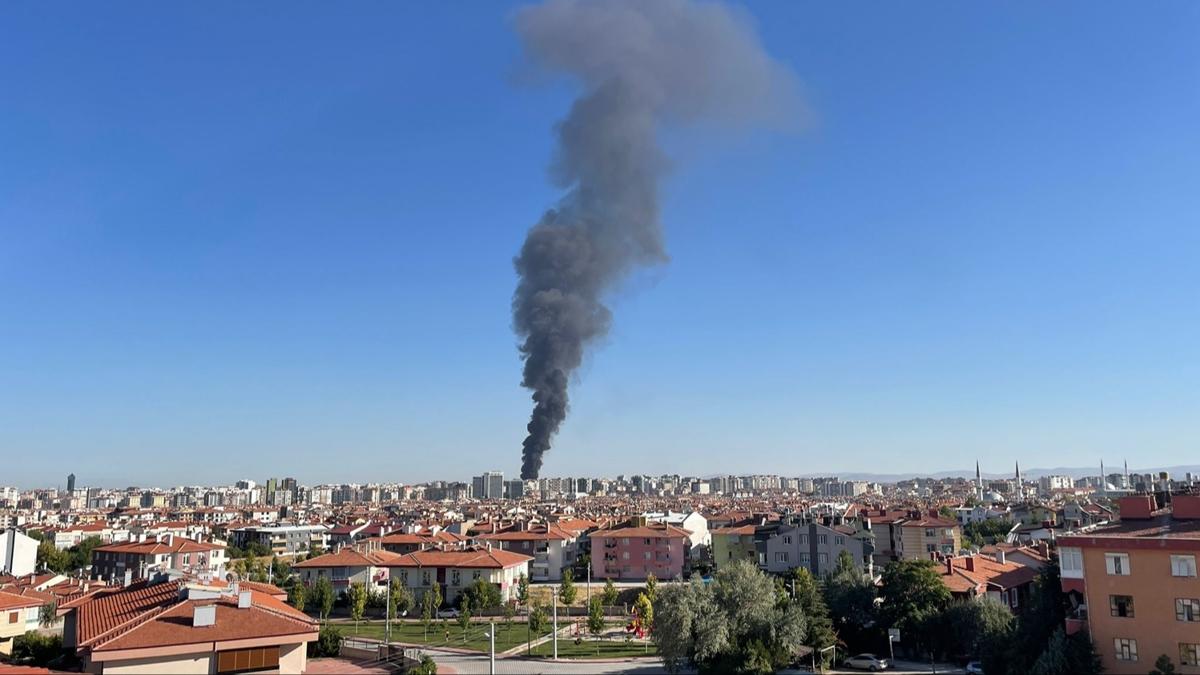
642, 64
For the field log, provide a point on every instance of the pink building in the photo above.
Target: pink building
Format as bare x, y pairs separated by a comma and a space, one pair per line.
633, 552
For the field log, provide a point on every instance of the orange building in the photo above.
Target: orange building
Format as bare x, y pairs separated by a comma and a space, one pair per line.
1136, 584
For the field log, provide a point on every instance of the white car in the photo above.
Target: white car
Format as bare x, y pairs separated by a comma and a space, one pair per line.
450, 613
866, 662
975, 668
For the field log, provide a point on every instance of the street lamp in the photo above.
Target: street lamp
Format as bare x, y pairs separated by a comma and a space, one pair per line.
491, 636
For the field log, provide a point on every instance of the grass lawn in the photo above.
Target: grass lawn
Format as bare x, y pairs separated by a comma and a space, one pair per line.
595, 649
507, 636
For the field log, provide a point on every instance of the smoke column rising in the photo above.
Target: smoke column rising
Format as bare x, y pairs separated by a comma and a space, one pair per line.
642, 64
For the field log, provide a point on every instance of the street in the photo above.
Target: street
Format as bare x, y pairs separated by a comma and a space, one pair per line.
451, 664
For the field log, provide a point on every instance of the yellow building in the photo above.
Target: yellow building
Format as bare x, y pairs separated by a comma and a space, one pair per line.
730, 544
928, 534
17, 615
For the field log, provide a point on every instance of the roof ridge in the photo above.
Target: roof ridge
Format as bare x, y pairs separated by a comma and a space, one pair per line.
116, 631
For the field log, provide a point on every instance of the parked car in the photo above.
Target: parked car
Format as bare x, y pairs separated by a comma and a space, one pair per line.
866, 662
449, 613
975, 668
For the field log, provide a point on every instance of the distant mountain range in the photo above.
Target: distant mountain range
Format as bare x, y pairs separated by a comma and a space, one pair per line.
1031, 474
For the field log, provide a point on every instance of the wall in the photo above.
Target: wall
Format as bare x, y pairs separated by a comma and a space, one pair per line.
293, 659
189, 663
1154, 591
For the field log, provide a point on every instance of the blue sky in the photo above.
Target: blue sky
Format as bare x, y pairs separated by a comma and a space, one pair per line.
252, 239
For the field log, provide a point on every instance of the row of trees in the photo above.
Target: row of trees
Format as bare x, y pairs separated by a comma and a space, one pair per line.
77, 557
748, 622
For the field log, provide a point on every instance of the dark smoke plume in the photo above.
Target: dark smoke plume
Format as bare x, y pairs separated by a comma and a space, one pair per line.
642, 64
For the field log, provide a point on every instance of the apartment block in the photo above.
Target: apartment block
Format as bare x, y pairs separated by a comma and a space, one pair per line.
1135, 584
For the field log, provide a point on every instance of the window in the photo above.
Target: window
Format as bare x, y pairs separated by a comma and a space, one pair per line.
425, 578
475, 575
625, 541
404, 577
1117, 563
646, 555
781, 556
340, 572
646, 542
822, 539
1189, 654
12, 617
455, 577
624, 555
1121, 605
930, 548
787, 540
930, 532
804, 539
1183, 565
1187, 609
839, 541
243, 660
1126, 649
1071, 562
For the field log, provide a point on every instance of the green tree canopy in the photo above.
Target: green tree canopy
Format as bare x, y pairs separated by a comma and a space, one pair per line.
734, 624
322, 596
913, 594
482, 595
566, 589
610, 594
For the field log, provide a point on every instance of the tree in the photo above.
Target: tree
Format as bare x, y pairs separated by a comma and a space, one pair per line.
566, 589
52, 559
436, 592
427, 611
975, 628
48, 614
1163, 666
358, 602
523, 590
850, 598
946, 512
820, 627
464, 617
281, 572
510, 610
322, 596
913, 594
328, 643
1066, 655
427, 666
401, 598
644, 608
734, 624
1039, 643
651, 587
483, 595
536, 623
35, 649
81, 553
299, 596
595, 621
610, 594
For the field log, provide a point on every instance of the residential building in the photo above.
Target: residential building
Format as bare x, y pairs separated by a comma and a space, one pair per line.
126, 562
551, 548
18, 613
347, 566
173, 627
418, 541
730, 544
282, 539
1136, 585
815, 547
456, 570
972, 577
921, 535
642, 548
18, 553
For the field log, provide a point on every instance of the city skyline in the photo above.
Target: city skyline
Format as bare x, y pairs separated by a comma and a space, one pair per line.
298, 249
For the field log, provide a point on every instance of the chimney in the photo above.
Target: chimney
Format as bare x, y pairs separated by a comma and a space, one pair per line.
1001, 557
970, 560
949, 564
1185, 507
244, 600
204, 615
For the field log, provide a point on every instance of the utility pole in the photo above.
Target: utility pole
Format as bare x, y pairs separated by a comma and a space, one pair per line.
387, 630
492, 648
555, 629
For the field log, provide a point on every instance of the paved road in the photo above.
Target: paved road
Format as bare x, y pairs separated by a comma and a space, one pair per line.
449, 664
474, 665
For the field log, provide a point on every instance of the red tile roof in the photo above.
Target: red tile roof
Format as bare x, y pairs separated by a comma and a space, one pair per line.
15, 601
479, 558
648, 531
349, 557
987, 572
152, 547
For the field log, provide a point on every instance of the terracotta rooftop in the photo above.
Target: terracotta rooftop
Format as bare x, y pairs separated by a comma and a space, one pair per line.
986, 572
160, 616
478, 558
159, 547
348, 557
14, 601
648, 531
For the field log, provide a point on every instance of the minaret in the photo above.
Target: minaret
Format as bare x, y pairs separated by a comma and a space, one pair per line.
978, 481
1127, 485
1103, 481
1020, 488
